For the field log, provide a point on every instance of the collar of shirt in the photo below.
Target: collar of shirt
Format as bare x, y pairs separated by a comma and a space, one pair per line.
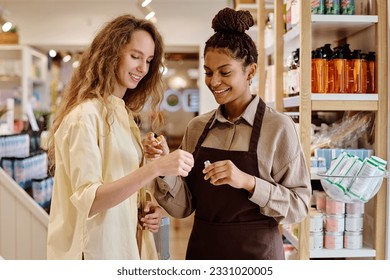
116, 101
248, 115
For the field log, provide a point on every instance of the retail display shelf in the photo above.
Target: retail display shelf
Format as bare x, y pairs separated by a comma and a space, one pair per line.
292, 34
341, 26
337, 102
342, 253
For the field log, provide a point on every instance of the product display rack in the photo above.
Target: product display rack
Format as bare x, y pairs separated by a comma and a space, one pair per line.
334, 28
24, 72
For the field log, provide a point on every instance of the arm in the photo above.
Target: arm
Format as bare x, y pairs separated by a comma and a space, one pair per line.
85, 169
171, 192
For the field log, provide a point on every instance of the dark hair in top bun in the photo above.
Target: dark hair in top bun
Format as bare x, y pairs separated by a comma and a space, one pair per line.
230, 26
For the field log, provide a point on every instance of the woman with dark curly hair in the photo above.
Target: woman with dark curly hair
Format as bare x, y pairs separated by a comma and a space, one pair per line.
96, 147
250, 172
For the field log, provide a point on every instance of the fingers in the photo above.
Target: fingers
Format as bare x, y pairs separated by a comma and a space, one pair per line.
219, 172
154, 147
152, 220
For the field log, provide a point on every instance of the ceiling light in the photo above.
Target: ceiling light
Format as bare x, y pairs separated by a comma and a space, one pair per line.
145, 3
150, 15
67, 58
52, 53
6, 26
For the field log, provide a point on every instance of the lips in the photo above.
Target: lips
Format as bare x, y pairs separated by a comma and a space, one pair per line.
135, 77
220, 91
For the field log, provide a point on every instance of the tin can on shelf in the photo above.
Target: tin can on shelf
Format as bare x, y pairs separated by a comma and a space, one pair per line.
334, 223
316, 240
334, 207
316, 221
320, 199
353, 239
355, 208
333, 240
354, 222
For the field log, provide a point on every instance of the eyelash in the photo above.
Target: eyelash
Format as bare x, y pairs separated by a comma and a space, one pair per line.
137, 57
223, 74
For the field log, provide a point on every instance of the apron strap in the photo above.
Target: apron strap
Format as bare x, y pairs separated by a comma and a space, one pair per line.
204, 133
257, 123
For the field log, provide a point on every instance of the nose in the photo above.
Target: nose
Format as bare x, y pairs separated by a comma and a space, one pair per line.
142, 67
215, 81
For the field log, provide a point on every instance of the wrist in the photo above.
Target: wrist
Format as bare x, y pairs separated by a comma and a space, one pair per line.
250, 184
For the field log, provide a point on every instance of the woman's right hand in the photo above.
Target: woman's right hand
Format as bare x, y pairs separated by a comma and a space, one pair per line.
177, 163
154, 147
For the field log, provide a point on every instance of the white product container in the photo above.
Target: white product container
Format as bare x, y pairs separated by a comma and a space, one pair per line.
316, 221
316, 240
353, 240
354, 208
354, 223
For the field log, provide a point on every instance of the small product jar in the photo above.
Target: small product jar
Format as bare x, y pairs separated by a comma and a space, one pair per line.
316, 240
353, 240
333, 240
354, 222
334, 207
316, 221
334, 223
355, 208
321, 201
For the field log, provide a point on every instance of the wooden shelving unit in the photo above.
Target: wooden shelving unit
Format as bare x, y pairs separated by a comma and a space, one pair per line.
24, 71
317, 29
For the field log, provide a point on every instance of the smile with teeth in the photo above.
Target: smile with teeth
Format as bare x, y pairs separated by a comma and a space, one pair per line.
220, 91
135, 77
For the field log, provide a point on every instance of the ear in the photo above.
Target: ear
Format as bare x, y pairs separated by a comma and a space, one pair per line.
252, 70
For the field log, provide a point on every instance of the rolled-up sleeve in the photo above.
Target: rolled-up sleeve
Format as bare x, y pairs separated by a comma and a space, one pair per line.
83, 161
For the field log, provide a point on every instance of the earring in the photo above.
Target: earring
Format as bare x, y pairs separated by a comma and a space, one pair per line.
250, 82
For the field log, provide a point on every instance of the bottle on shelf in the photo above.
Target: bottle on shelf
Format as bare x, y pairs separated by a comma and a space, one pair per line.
359, 72
371, 83
319, 72
328, 53
340, 64
348, 69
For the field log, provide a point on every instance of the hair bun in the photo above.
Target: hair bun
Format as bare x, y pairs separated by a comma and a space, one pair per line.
230, 20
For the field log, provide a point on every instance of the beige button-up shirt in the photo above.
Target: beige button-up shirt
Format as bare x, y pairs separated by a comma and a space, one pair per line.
87, 156
283, 191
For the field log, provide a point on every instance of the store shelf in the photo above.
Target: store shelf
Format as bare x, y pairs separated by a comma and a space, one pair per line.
25, 73
342, 253
337, 102
336, 27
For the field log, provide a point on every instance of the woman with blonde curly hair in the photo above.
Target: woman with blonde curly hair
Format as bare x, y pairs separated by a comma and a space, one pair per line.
96, 148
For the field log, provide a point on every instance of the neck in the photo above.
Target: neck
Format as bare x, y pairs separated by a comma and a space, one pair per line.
233, 110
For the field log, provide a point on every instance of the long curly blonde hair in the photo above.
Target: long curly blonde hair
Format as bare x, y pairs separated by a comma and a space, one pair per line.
96, 75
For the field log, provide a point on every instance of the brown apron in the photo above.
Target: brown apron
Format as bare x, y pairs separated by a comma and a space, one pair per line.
227, 224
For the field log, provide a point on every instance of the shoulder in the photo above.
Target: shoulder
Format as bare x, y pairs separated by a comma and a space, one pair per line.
88, 114
86, 111
278, 122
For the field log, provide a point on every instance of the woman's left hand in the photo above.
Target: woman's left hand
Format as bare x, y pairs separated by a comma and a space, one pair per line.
152, 219
225, 172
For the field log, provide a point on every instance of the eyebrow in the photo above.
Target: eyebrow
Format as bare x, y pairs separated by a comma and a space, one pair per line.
204, 66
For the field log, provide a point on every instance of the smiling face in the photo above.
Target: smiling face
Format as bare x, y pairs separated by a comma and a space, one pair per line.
227, 78
134, 61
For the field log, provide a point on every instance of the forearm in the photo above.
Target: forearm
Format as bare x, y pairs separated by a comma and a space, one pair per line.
111, 194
